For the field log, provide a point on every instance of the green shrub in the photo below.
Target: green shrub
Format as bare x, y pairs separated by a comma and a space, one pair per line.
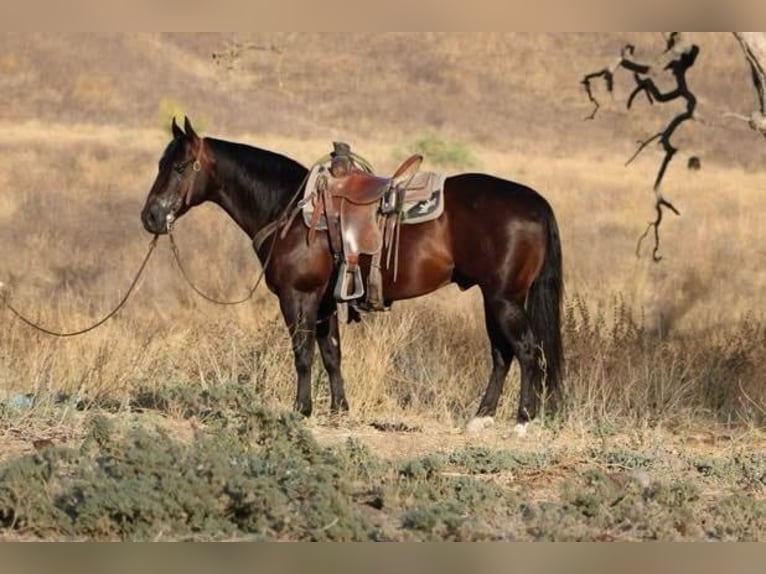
439, 151
272, 481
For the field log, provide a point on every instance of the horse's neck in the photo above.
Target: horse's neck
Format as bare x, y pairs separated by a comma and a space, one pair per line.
254, 202
245, 210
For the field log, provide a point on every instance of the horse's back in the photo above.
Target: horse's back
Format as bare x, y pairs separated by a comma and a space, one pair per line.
480, 192
497, 231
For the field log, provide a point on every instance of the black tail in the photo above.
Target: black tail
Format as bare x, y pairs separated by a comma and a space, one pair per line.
544, 310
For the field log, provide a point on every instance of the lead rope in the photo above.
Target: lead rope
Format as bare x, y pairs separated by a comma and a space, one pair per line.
111, 314
258, 240
204, 295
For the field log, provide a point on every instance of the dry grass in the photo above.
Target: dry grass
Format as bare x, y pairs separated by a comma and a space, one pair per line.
664, 350
672, 344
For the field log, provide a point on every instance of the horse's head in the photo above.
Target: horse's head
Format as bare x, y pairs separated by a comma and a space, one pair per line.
182, 181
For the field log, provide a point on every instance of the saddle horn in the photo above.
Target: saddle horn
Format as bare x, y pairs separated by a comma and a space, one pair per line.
411, 164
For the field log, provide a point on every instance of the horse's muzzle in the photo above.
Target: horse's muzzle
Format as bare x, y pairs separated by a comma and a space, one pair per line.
155, 219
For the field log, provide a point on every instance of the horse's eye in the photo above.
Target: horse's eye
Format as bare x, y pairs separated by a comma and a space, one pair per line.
179, 167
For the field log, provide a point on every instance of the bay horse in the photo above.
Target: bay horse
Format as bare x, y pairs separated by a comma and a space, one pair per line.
495, 234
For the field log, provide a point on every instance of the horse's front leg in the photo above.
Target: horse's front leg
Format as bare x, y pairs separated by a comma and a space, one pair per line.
328, 337
300, 313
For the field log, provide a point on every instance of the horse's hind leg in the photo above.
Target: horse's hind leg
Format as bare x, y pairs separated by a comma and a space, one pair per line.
512, 320
328, 338
300, 314
526, 349
502, 355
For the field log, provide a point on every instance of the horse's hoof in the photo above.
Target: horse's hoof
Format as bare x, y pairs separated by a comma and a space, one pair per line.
339, 407
304, 411
520, 430
478, 424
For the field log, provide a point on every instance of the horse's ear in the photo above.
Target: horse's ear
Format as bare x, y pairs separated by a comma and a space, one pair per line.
190, 133
177, 133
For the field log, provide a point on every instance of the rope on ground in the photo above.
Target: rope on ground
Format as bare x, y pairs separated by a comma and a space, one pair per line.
112, 313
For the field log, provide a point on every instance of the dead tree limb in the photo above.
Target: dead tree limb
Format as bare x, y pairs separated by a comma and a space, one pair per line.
608, 75
679, 57
753, 45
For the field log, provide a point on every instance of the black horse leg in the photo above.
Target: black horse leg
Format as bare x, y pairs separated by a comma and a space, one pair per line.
300, 313
531, 377
502, 355
328, 338
525, 348
512, 318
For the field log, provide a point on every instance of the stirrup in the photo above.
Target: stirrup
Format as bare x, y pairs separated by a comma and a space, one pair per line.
345, 277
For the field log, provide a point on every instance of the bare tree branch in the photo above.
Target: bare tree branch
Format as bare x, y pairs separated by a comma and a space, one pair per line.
656, 226
753, 45
608, 75
681, 57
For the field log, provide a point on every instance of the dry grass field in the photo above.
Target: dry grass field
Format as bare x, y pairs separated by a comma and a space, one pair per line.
662, 433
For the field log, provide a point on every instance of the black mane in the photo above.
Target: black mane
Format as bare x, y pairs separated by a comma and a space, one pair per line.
268, 179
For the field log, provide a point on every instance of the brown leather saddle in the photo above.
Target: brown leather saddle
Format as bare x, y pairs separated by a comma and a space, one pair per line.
362, 213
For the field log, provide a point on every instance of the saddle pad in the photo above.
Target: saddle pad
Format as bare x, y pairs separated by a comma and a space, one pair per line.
310, 194
419, 209
423, 198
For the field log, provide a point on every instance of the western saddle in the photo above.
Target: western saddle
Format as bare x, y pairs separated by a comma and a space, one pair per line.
363, 213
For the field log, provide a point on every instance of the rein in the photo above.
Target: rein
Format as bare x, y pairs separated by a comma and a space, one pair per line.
207, 297
111, 314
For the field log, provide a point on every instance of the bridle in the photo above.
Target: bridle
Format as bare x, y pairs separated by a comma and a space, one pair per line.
184, 199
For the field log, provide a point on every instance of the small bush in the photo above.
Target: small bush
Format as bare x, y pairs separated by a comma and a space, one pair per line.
441, 152
485, 460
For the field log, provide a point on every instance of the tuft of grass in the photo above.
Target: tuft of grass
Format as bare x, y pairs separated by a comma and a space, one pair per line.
96, 91
617, 369
485, 460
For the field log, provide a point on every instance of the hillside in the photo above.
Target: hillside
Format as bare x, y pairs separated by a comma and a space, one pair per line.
511, 91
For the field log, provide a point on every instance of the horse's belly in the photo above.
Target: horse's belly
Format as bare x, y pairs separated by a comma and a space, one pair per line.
423, 267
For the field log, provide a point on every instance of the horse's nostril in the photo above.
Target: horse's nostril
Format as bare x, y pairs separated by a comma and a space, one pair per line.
151, 218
